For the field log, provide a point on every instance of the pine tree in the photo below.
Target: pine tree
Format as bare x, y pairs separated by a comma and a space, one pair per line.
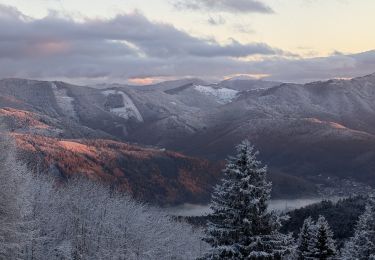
240, 226
362, 245
323, 244
304, 239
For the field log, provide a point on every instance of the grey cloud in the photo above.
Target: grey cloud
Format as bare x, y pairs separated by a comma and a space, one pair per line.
235, 49
229, 6
130, 46
216, 21
9, 12
147, 38
92, 69
306, 70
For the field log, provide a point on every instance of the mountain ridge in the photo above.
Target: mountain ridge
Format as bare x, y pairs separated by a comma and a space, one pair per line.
302, 130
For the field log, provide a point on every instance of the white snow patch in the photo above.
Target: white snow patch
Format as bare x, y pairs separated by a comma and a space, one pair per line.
129, 110
222, 95
65, 102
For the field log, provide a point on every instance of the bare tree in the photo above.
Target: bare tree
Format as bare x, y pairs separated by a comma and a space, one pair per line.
80, 219
13, 201
83, 220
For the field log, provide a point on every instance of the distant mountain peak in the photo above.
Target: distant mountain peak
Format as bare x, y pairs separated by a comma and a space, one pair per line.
242, 77
367, 78
371, 75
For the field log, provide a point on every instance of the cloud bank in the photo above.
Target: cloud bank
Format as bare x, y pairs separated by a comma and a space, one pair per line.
130, 46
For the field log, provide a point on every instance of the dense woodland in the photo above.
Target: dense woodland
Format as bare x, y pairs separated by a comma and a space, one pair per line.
41, 218
342, 216
80, 219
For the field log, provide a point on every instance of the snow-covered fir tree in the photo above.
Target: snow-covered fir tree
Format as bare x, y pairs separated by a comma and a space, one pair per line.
323, 245
240, 226
305, 238
362, 245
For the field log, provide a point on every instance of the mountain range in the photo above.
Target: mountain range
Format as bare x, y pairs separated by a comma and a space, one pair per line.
166, 143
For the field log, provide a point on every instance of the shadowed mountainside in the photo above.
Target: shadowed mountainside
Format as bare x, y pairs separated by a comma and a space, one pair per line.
321, 128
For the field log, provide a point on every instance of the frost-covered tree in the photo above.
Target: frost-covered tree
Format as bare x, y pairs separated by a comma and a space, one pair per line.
84, 220
323, 244
9, 213
362, 245
305, 238
41, 219
240, 226
13, 204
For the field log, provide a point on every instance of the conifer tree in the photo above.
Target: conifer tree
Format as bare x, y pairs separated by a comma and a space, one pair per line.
362, 245
240, 226
304, 239
323, 245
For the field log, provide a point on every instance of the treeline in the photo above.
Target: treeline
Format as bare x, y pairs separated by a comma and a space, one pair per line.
315, 240
41, 219
241, 226
79, 219
342, 216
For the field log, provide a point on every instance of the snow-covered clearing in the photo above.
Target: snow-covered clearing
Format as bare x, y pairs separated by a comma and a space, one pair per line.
222, 95
65, 102
129, 110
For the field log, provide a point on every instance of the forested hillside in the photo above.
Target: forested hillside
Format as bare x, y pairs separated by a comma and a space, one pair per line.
334, 118
79, 219
342, 216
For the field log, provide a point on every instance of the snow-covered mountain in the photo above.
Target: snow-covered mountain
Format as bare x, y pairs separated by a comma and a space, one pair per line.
301, 130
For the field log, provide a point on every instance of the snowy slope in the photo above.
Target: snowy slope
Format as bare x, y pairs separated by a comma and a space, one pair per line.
65, 102
222, 95
128, 110
301, 129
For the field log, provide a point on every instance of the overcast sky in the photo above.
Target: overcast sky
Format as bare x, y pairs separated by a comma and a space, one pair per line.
144, 41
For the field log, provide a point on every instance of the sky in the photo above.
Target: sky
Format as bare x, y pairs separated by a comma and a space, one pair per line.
146, 41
